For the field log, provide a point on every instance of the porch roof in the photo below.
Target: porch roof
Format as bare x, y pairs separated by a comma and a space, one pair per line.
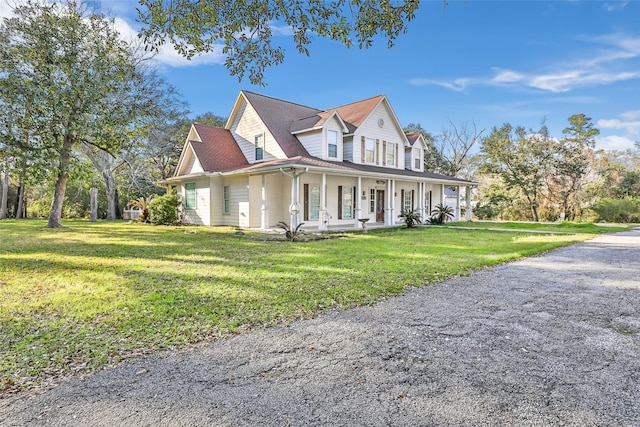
345, 168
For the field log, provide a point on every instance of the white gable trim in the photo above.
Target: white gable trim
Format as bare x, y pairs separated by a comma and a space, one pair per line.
187, 153
193, 132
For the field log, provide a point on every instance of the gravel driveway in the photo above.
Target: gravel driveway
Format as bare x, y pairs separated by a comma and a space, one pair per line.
549, 340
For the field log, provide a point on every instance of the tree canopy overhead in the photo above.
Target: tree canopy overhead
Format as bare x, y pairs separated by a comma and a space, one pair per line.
245, 27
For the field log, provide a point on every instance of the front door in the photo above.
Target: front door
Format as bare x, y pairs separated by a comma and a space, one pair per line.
379, 205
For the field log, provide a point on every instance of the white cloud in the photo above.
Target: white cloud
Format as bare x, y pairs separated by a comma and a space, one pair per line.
5, 10
168, 55
630, 126
612, 7
507, 76
630, 115
614, 142
604, 67
628, 123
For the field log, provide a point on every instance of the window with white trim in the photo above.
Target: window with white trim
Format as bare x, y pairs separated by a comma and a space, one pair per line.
417, 158
370, 150
391, 154
259, 142
332, 143
314, 202
190, 195
345, 202
372, 200
226, 197
407, 203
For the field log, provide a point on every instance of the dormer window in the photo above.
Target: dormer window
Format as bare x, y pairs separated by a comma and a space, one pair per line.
417, 158
259, 142
332, 143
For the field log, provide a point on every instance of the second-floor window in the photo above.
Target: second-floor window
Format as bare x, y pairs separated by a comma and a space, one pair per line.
332, 143
391, 154
259, 141
417, 158
370, 150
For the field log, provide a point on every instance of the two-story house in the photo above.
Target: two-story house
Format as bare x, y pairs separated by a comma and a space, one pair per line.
279, 161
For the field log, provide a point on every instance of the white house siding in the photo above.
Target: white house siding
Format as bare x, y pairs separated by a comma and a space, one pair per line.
245, 126
238, 201
390, 132
200, 214
216, 200
312, 141
190, 164
255, 200
279, 198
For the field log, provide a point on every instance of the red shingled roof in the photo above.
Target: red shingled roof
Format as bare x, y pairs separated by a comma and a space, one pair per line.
354, 114
278, 115
413, 137
218, 151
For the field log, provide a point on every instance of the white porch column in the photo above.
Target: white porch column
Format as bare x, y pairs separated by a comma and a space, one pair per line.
420, 200
294, 207
392, 202
324, 214
442, 194
457, 203
358, 224
264, 212
468, 202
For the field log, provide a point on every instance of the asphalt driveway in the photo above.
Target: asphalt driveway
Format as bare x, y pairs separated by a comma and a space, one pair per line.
549, 340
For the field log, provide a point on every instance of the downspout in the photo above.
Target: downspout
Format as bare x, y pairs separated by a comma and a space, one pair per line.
294, 207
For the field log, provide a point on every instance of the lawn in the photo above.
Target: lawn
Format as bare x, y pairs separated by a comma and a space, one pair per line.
556, 227
75, 299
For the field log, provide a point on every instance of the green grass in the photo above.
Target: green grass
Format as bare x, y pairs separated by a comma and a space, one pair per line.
75, 299
559, 227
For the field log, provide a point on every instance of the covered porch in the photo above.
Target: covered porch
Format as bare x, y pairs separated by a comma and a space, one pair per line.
329, 201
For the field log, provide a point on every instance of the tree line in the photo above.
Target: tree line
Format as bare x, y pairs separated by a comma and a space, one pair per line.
529, 174
82, 107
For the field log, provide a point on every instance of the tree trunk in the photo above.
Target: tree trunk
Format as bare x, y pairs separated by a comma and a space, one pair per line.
55, 215
94, 205
4, 197
21, 201
110, 187
21, 192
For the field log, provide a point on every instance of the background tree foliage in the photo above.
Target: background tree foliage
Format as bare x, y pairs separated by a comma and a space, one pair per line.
72, 87
522, 159
245, 28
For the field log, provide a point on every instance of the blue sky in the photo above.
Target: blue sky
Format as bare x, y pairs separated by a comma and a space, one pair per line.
482, 62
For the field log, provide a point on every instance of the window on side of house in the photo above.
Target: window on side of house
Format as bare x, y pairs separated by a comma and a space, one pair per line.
417, 158
391, 154
259, 142
345, 202
332, 143
372, 200
407, 203
311, 202
370, 150
190, 195
226, 200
